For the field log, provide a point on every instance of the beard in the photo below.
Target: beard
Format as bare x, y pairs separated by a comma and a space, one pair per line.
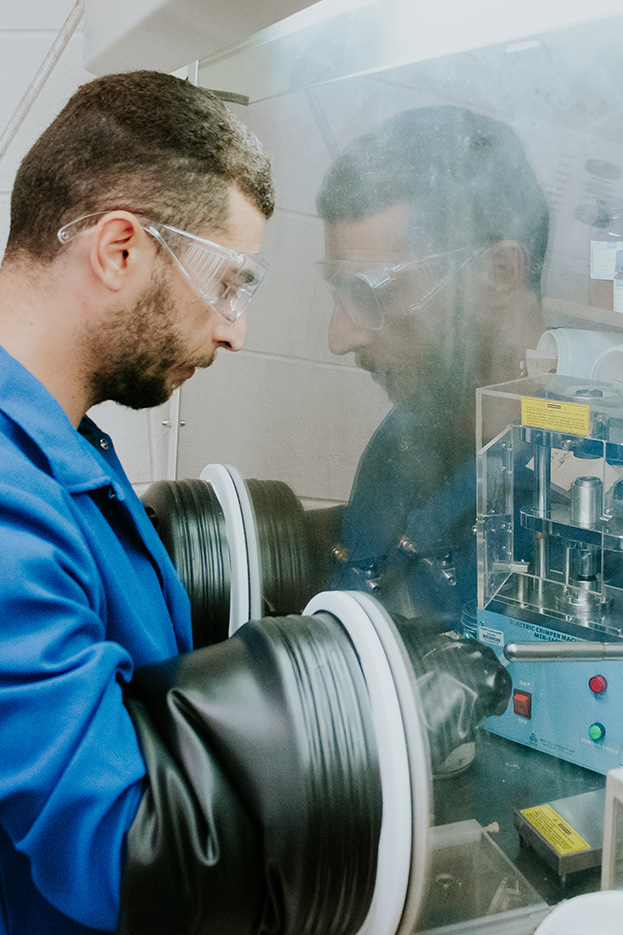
135, 351
431, 361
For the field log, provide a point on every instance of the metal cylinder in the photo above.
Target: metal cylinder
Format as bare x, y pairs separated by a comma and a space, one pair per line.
542, 480
586, 501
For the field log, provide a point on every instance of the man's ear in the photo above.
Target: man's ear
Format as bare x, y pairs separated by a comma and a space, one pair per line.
118, 244
506, 267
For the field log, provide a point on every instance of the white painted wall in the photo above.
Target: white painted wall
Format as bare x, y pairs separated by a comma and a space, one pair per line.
27, 30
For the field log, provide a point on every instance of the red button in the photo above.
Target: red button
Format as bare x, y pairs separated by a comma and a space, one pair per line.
522, 704
598, 684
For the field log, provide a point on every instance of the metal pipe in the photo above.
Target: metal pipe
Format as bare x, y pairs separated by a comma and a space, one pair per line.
542, 480
541, 556
542, 507
57, 49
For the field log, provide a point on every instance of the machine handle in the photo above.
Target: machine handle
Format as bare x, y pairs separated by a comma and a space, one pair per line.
553, 652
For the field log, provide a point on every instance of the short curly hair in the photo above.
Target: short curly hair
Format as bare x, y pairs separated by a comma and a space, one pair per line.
145, 141
466, 177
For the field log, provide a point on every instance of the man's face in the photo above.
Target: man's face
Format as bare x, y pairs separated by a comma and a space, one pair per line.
375, 274
144, 352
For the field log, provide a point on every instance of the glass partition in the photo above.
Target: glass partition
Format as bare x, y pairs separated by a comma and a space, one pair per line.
432, 378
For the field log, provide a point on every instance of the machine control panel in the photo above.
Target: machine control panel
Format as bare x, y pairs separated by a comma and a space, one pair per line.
565, 708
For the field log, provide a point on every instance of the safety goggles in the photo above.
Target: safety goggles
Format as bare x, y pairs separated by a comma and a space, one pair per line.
373, 294
225, 279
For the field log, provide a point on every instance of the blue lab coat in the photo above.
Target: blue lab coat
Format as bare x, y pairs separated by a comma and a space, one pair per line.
87, 592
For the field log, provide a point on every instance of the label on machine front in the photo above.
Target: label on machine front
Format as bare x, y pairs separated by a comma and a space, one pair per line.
555, 416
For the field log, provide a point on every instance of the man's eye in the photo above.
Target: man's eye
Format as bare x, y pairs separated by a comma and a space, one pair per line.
247, 278
367, 297
352, 289
242, 281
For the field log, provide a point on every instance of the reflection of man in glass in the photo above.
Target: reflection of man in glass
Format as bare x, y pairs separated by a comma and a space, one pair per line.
436, 229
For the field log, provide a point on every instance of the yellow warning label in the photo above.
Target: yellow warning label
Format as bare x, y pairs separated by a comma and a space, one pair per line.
555, 416
556, 831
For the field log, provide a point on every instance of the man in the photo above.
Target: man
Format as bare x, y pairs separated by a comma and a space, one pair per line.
135, 223
436, 231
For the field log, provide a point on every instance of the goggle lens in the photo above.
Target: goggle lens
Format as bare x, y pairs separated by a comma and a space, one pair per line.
225, 279
380, 292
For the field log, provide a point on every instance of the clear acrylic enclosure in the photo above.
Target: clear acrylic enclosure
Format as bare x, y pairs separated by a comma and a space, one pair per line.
550, 536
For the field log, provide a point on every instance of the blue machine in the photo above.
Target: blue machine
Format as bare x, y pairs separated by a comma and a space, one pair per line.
550, 563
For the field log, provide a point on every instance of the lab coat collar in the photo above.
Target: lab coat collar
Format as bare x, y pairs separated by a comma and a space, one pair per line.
72, 458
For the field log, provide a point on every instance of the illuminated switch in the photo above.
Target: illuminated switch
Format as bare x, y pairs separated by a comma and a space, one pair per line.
522, 704
598, 684
596, 731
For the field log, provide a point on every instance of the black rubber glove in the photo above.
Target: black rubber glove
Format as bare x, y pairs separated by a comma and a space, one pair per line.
460, 682
263, 807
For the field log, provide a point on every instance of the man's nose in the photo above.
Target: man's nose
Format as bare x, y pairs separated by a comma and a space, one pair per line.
345, 334
231, 334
